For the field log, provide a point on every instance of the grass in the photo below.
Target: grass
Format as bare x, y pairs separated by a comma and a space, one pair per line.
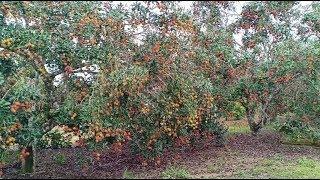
243, 128
308, 138
175, 173
60, 159
301, 168
212, 168
128, 175
279, 167
9, 156
238, 129
271, 126
297, 141
82, 160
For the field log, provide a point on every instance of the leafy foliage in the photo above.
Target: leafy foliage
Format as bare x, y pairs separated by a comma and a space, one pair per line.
77, 68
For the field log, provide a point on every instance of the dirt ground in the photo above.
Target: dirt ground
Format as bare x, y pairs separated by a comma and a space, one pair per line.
242, 151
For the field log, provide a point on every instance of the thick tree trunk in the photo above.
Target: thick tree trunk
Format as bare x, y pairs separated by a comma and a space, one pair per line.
254, 126
28, 162
264, 114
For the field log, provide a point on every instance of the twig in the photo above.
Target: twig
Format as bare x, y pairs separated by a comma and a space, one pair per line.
8, 91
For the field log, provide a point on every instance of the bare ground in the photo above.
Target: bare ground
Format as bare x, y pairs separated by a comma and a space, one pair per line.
242, 151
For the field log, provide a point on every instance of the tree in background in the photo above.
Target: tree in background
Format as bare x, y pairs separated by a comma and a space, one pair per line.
76, 67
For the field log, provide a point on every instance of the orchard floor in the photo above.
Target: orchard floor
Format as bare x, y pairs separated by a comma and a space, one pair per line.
244, 156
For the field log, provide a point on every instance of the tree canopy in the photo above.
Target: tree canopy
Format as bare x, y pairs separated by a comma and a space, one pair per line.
154, 74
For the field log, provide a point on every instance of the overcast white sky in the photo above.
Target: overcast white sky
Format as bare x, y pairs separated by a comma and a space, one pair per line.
187, 5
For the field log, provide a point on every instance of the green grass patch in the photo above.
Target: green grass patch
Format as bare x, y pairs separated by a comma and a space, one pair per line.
271, 126
60, 159
175, 173
278, 167
297, 141
296, 132
238, 129
128, 175
212, 168
219, 163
